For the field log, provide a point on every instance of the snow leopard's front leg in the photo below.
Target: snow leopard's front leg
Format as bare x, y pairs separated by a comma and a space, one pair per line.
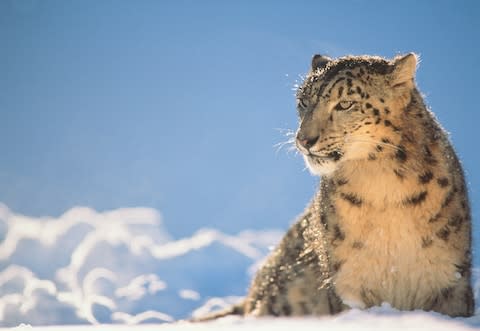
294, 279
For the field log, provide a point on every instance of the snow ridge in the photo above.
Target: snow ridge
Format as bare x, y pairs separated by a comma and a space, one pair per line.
106, 267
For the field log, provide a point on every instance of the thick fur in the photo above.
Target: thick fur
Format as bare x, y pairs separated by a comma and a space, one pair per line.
391, 221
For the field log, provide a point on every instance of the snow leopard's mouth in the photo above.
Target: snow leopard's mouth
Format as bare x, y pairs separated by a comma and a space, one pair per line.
331, 156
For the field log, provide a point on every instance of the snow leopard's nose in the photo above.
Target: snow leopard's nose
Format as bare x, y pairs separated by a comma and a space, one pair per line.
306, 141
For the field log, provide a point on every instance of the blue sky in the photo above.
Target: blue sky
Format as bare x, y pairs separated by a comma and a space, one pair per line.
177, 105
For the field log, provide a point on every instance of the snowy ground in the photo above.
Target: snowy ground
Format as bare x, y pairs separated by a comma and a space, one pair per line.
381, 319
112, 270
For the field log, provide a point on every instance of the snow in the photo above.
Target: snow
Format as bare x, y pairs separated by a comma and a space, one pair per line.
355, 320
118, 266
120, 269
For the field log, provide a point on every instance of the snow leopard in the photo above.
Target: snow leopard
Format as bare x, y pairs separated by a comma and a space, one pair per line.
391, 221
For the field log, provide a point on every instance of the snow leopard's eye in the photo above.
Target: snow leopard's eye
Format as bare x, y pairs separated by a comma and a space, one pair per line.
301, 104
344, 105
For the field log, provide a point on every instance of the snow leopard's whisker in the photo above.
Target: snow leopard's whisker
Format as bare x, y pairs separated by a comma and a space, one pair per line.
289, 143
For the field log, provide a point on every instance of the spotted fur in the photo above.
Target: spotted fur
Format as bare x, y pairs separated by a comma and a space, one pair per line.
391, 220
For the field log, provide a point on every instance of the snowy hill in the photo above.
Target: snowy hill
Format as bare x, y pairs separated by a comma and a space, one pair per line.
122, 267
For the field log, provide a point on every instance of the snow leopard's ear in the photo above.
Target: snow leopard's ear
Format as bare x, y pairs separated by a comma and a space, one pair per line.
404, 68
319, 61
402, 78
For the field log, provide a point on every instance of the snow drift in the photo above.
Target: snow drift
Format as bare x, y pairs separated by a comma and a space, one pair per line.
119, 266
